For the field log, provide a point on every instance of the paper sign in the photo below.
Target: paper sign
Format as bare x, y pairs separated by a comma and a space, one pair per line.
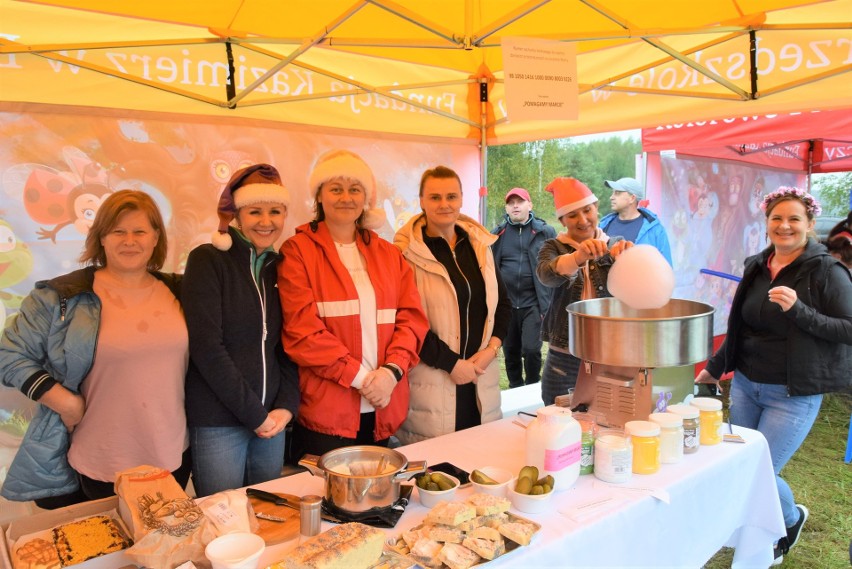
540, 79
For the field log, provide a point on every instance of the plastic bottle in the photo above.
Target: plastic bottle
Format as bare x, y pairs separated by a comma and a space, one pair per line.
645, 438
671, 436
710, 416
691, 426
589, 431
553, 445
613, 456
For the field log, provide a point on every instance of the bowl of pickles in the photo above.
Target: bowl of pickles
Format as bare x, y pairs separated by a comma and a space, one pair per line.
491, 480
529, 492
434, 487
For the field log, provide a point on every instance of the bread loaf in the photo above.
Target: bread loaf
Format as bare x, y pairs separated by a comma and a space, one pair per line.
347, 546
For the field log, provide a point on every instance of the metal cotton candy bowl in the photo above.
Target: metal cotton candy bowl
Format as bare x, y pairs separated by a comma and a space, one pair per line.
607, 331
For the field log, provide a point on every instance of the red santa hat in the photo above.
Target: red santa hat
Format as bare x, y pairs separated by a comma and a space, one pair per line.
251, 185
345, 164
569, 194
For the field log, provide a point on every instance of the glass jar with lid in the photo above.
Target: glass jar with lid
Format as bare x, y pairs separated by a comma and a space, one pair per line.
645, 439
691, 426
671, 436
710, 417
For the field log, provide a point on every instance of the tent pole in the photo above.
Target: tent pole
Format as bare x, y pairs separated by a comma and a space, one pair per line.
483, 151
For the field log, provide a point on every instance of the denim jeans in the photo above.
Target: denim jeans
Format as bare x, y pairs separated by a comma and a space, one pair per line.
559, 375
784, 420
224, 458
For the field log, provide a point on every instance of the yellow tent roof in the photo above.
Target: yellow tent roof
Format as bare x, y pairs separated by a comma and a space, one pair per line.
414, 67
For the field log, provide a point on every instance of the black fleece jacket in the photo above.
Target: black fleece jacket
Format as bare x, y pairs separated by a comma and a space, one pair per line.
238, 370
816, 332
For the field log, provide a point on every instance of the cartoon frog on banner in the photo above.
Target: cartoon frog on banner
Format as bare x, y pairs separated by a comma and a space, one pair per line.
16, 262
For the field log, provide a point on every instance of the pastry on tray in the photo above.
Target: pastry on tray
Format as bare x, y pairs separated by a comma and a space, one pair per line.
88, 538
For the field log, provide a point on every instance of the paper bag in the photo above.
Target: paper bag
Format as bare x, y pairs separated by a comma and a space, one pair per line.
168, 527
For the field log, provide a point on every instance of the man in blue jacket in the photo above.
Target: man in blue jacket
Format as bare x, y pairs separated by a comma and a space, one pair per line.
519, 239
634, 223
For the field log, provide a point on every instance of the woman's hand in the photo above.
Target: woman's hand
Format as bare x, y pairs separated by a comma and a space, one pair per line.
483, 358
378, 386
705, 377
275, 422
620, 248
466, 371
69, 405
783, 296
590, 249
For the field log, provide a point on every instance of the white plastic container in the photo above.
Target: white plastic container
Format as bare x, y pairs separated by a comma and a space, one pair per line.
671, 436
554, 444
613, 456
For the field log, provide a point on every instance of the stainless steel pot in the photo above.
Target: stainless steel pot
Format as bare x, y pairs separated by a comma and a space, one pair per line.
360, 478
607, 331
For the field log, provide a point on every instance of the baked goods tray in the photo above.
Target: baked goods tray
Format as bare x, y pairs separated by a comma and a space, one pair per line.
398, 546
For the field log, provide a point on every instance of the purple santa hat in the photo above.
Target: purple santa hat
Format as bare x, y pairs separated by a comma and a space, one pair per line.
251, 185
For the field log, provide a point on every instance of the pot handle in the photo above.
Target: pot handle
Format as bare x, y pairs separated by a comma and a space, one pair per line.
311, 462
413, 467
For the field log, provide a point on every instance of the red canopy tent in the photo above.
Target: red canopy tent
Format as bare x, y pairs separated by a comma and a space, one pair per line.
812, 142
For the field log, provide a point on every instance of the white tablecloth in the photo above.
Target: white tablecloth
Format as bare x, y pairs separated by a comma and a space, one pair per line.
723, 495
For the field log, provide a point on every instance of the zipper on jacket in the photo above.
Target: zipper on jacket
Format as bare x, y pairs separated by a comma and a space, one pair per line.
521, 248
467, 307
261, 295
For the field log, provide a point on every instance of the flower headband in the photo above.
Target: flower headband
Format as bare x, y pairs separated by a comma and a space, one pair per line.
812, 206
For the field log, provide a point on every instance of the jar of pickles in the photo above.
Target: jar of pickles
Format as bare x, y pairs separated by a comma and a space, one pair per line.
645, 439
671, 436
710, 417
691, 426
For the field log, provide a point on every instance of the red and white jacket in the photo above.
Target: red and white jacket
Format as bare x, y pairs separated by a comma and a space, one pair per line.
322, 328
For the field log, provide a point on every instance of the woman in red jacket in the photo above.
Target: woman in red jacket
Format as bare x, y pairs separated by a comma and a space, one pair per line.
352, 316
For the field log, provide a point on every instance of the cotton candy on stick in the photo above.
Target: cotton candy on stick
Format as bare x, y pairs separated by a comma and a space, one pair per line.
641, 278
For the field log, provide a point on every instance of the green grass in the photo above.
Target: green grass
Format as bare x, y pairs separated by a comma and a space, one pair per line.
821, 481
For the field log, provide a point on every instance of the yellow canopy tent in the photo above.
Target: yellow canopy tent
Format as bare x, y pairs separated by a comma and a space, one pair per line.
418, 67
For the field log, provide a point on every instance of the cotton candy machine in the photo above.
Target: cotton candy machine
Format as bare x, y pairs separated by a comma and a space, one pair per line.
638, 356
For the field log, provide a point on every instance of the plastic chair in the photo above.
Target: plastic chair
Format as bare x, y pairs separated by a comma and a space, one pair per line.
849, 445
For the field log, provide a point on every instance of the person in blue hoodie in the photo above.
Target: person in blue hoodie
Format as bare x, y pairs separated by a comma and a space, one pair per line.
637, 224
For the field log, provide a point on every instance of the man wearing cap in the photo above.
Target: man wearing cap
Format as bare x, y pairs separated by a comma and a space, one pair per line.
634, 223
519, 239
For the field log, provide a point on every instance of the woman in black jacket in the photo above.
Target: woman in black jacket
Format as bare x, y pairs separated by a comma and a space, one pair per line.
789, 339
241, 389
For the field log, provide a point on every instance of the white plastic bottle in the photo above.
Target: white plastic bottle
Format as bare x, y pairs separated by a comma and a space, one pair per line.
554, 445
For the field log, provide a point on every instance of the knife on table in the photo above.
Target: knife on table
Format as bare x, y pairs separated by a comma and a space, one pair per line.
281, 501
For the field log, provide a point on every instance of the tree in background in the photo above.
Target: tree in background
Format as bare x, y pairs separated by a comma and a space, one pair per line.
532, 165
833, 191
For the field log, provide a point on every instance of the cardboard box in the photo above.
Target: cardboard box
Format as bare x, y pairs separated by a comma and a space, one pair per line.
50, 519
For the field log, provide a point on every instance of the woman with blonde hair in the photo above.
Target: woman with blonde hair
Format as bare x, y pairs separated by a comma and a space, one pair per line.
457, 383
352, 318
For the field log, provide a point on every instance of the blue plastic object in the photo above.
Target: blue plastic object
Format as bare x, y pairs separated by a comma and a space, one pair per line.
849, 444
